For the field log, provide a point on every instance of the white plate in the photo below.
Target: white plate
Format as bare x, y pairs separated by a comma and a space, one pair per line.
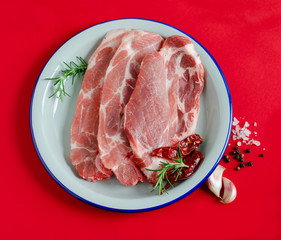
50, 122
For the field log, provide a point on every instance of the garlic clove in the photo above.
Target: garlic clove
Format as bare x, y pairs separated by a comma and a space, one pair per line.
214, 182
222, 187
230, 191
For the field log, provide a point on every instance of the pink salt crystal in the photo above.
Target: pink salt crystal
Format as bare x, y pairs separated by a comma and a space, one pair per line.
243, 133
247, 132
235, 121
254, 142
246, 125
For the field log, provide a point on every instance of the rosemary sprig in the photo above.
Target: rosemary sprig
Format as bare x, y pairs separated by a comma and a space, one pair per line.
72, 70
168, 167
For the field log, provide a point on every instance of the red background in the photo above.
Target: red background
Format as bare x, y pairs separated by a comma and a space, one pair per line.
245, 39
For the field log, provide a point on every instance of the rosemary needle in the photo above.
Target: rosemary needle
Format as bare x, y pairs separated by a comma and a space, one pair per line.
72, 70
166, 168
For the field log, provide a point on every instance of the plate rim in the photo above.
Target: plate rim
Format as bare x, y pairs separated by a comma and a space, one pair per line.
141, 209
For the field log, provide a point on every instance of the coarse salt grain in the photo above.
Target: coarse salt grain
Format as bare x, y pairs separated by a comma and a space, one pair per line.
235, 121
254, 142
243, 133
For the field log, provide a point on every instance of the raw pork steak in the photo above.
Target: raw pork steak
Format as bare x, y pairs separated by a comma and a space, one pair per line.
84, 147
114, 147
164, 106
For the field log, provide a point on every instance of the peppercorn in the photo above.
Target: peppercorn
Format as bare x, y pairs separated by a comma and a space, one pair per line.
237, 168
248, 150
227, 160
241, 155
237, 157
233, 152
250, 163
236, 148
241, 160
241, 165
262, 155
237, 152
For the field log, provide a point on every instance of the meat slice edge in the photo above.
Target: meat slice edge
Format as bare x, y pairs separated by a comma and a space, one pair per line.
84, 148
114, 147
164, 106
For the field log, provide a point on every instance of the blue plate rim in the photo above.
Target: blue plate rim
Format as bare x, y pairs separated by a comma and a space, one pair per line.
150, 208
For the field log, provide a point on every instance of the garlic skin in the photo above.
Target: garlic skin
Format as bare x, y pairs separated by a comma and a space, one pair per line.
222, 187
230, 191
214, 182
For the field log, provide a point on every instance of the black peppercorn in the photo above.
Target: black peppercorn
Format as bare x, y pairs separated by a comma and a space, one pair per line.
248, 150
250, 163
233, 152
262, 155
241, 160
227, 160
237, 157
241, 165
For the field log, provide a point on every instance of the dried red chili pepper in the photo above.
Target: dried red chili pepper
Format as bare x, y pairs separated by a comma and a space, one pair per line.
192, 161
186, 145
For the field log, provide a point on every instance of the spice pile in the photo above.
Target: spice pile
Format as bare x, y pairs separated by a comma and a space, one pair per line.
240, 157
243, 133
241, 142
239, 150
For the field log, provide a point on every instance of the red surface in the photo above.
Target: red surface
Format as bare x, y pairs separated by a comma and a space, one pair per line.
245, 39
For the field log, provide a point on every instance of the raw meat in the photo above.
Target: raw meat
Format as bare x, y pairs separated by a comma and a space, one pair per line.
164, 106
84, 147
114, 147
